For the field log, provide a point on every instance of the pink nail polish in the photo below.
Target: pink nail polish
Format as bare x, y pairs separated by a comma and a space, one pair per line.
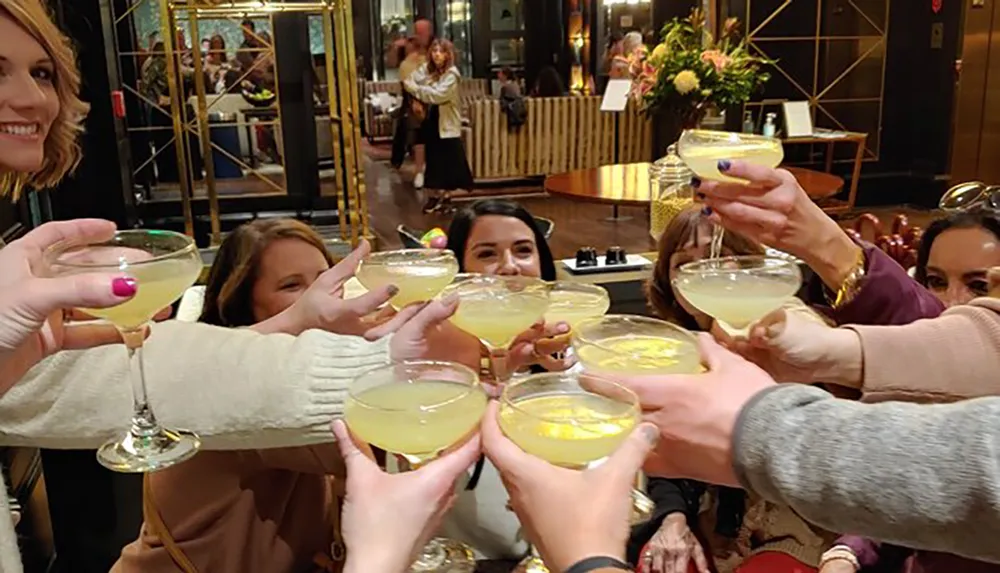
124, 286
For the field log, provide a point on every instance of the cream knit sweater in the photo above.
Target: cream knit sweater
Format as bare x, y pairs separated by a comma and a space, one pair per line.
235, 388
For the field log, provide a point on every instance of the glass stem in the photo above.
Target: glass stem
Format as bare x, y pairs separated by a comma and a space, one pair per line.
144, 422
718, 233
499, 362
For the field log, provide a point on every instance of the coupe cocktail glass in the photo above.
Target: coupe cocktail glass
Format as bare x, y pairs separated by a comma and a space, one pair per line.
496, 310
631, 345
164, 264
572, 302
417, 409
419, 274
739, 291
569, 420
702, 149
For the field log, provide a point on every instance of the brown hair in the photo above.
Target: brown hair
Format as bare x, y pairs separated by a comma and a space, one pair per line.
62, 148
229, 290
449, 51
682, 230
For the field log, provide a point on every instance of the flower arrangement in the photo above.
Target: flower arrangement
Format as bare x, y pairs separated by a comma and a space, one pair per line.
689, 70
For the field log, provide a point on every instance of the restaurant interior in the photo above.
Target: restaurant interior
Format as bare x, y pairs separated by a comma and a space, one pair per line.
879, 108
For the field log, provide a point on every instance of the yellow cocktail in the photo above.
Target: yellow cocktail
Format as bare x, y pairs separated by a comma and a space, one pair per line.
573, 303
739, 291
570, 420
164, 265
635, 345
418, 409
419, 274
497, 309
702, 150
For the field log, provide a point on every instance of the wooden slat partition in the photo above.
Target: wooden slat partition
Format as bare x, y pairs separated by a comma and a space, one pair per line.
560, 134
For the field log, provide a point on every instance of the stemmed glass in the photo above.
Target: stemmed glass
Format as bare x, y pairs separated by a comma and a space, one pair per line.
573, 302
418, 409
631, 345
164, 264
567, 419
419, 274
739, 291
702, 149
496, 310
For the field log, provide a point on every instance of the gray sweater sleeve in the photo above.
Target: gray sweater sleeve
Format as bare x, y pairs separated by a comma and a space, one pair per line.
921, 476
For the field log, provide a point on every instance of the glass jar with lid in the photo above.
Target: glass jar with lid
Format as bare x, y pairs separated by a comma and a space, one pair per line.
670, 191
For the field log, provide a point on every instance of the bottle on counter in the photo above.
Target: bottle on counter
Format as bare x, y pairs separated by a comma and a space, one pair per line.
748, 126
769, 126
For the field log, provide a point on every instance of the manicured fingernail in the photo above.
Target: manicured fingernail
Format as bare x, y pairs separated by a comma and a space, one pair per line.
124, 287
695, 182
701, 196
724, 165
393, 290
651, 433
706, 210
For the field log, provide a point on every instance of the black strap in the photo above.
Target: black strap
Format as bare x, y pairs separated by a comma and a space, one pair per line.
476, 474
595, 563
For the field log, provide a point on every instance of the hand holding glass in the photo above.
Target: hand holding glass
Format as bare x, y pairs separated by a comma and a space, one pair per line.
164, 264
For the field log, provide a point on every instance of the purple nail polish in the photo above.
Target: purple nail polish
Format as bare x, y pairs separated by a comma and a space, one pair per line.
706, 211
724, 165
695, 182
124, 287
701, 196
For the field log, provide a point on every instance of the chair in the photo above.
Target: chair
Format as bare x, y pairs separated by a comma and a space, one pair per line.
901, 243
546, 226
409, 237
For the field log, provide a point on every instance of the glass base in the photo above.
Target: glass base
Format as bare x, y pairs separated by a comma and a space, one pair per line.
531, 564
138, 454
442, 555
642, 508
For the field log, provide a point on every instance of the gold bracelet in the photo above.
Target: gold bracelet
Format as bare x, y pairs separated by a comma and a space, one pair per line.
852, 283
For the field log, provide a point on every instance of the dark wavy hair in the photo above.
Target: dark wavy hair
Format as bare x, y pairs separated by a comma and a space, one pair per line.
229, 290
461, 228
968, 220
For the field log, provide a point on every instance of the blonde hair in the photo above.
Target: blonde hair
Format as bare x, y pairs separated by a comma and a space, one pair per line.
61, 148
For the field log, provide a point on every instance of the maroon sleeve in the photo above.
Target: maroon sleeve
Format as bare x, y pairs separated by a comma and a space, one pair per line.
888, 295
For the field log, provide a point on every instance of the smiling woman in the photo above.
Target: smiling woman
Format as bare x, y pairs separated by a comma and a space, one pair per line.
41, 114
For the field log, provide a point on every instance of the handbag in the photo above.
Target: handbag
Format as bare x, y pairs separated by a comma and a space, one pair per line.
333, 563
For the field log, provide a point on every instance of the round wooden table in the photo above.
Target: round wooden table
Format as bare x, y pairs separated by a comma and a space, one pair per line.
628, 184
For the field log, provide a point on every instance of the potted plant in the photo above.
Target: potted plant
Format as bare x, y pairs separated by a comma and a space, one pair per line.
690, 71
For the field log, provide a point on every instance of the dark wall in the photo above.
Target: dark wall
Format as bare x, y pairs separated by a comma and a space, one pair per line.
545, 40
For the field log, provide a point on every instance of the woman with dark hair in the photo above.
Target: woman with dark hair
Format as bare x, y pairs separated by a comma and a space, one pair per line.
436, 84
955, 254
548, 83
498, 237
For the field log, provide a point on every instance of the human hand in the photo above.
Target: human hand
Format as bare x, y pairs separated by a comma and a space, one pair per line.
538, 344
696, 414
672, 547
422, 331
792, 348
773, 209
388, 518
32, 307
569, 515
323, 306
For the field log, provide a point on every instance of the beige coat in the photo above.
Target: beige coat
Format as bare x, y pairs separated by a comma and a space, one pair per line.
442, 92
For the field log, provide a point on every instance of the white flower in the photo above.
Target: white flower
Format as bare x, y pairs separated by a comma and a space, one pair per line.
686, 82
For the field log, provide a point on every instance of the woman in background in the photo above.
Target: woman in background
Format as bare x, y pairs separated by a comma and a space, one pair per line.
955, 254
436, 84
548, 84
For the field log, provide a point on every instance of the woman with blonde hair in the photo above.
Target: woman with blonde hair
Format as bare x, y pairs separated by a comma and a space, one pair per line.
236, 388
436, 84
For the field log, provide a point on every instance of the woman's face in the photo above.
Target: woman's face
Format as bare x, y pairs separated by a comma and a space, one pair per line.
958, 262
695, 249
500, 245
28, 100
287, 268
439, 56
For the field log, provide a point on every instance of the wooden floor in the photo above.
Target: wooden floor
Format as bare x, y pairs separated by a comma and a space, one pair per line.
392, 200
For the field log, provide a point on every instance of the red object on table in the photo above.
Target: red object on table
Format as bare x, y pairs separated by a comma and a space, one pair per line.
118, 104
